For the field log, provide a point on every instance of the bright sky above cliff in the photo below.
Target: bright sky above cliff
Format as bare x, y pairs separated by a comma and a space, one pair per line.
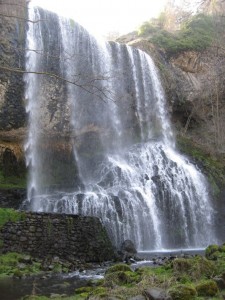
104, 16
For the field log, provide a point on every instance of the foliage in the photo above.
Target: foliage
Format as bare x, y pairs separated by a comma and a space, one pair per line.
10, 215
12, 181
195, 34
216, 253
210, 250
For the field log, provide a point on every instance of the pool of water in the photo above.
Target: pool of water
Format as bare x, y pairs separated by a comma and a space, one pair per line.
15, 289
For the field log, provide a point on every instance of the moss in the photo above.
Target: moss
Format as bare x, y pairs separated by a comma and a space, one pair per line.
215, 252
121, 278
207, 288
196, 267
184, 292
10, 215
86, 289
101, 292
10, 182
10, 264
210, 250
35, 297
182, 265
213, 167
118, 267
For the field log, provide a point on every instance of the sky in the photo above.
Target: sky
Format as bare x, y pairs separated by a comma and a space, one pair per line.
101, 17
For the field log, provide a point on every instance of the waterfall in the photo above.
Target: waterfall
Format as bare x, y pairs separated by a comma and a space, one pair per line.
100, 141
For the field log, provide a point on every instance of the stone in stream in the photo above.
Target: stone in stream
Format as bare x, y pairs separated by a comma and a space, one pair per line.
128, 251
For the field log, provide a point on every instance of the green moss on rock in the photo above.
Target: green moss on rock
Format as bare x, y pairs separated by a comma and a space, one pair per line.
11, 264
210, 250
207, 288
195, 267
184, 292
121, 278
118, 267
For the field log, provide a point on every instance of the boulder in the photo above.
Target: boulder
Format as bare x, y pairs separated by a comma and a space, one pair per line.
156, 294
138, 297
127, 251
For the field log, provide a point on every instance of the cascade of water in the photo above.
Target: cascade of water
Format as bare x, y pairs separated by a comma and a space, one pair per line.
33, 104
123, 147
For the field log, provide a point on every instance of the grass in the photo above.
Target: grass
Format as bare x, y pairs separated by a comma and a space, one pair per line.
12, 181
9, 214
11, 264
182, 278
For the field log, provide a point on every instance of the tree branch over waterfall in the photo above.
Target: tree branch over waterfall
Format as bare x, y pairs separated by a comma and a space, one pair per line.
87, 86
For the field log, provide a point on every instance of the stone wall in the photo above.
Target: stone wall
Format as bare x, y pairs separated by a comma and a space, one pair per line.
69, 237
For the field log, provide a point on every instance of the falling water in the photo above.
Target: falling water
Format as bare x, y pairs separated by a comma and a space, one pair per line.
103, 145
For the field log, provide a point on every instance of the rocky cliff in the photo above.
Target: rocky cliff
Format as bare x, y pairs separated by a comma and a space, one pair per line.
12, 108
194, 84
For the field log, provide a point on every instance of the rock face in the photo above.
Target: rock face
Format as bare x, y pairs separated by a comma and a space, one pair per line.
12, 108
194, 85
69, 237
193, 82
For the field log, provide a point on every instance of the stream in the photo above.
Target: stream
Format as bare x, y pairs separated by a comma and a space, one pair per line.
48, 285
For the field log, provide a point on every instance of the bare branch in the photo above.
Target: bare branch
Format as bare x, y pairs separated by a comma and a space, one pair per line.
23, 19
84, 87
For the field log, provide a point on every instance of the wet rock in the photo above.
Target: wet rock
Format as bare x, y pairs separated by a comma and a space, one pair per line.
129, 247
127, 252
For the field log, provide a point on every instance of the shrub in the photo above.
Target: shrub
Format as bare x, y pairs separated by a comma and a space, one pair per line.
195, 35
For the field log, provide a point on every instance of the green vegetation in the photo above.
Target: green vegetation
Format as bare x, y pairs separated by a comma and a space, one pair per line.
214, 168
184, 292
195, 34
119, 267
13, 264
181, 278
10, 215
10, 182
207, 288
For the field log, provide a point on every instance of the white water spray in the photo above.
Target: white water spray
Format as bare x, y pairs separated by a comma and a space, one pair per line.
115, 118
